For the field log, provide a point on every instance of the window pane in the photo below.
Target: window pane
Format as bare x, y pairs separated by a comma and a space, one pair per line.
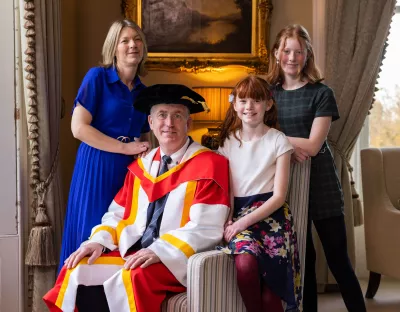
384, 122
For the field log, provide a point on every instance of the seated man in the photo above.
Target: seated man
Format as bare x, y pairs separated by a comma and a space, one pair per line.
174, 203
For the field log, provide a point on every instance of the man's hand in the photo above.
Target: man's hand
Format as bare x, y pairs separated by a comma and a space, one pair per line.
93, 250
299, 155
144, 257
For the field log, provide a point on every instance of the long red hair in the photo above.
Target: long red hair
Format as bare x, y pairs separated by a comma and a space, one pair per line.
250, 87
310, 70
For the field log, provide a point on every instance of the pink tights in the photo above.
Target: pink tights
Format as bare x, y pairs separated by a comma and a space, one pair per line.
256, 295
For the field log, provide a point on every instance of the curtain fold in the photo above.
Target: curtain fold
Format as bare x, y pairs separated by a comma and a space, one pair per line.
356, 32
38, 94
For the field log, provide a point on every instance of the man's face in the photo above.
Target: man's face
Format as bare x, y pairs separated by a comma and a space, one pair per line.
170, 124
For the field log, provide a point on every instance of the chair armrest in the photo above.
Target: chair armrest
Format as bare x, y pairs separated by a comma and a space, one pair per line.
212, 283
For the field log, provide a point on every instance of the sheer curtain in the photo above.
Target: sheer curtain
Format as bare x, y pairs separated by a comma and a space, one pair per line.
359, 235
38, 88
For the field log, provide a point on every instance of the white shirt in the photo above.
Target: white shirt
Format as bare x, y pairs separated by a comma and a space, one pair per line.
177, 156
252, 166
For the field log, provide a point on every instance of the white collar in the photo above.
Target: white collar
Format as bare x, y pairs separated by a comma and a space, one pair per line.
178, 155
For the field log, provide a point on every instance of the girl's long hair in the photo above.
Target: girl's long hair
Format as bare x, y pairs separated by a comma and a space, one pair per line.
310, 70
250, 87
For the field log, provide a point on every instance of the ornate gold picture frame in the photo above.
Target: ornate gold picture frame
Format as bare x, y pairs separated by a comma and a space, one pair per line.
198, 38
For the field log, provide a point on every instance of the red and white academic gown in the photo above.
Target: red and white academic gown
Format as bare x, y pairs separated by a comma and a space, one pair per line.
192, 221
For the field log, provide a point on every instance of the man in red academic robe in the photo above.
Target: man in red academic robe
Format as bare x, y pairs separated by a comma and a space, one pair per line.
173, 204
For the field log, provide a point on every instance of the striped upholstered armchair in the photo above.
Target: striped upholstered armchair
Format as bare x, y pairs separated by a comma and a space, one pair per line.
211, 286
211, 274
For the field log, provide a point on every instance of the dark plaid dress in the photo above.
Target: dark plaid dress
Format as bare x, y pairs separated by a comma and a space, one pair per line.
296, 112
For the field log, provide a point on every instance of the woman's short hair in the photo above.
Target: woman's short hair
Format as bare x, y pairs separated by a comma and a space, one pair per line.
110, 44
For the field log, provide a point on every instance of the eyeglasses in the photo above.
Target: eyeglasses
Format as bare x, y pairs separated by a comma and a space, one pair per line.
173, 116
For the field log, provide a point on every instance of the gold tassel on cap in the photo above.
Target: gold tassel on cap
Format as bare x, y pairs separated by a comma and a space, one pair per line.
205, 107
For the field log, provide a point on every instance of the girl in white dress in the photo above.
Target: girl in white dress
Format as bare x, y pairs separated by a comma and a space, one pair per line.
260, 232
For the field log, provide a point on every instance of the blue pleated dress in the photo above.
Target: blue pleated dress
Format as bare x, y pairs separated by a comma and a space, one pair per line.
98, 175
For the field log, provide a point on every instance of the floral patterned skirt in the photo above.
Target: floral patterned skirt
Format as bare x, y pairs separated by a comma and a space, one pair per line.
273, 241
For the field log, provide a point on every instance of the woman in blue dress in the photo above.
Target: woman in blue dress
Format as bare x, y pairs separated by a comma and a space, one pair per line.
110, 129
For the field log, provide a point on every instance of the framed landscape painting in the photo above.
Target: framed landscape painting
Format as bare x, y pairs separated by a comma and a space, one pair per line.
203, 35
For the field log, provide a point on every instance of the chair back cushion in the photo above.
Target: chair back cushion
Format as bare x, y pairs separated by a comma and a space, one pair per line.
391, 171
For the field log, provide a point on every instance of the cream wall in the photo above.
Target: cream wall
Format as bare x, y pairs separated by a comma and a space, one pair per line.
291, 12
84, 27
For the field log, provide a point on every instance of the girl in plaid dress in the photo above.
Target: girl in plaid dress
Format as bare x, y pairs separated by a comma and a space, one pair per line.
306, 108
259, 232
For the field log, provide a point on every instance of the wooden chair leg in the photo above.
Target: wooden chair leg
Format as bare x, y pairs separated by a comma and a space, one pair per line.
373, 284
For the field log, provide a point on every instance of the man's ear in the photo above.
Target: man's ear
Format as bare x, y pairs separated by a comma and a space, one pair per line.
189, 123
150, 120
